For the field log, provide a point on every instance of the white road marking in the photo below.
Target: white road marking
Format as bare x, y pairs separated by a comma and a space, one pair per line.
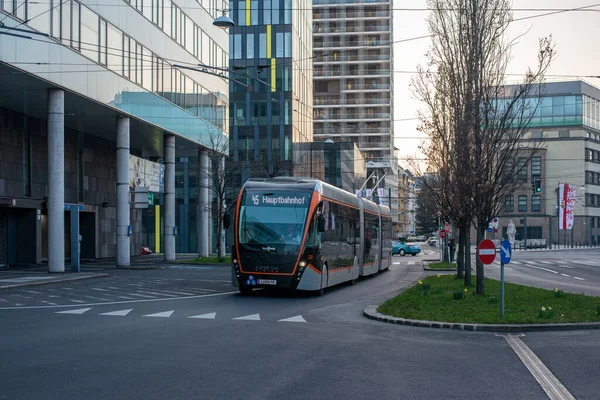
566, 275
6, 301
120, 313
253, 317
48, 302
140, 295
297, 318
176, 292
112, 288
211, 315
100, 290
76, 311
578, 278
77, 301
396, 263
549, 383
165, 314
32, 292
543, 269
161, 294
126, 297
411, 263
121, 302
546, 262
515, 262
53, 296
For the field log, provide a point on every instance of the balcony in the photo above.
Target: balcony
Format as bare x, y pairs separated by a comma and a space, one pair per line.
374, 42
335, 2
350, 14
350, 29
349, 58
366, 87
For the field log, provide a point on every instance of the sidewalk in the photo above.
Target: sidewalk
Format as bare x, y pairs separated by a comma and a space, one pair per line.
39, 275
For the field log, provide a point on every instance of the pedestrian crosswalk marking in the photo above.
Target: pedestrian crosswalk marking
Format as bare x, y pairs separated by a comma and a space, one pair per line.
211, 315
253, 317
297, 318
76, 311
165, 314
120, 313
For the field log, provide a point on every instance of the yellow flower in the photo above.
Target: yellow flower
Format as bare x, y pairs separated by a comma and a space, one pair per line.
420, 282
549, 308
465, 290
543, 308
438, 275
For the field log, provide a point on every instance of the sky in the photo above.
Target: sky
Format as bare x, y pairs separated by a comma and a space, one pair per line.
574, 34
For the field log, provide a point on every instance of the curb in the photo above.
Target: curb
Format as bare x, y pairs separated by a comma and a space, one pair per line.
47, 282
426, 268
371, 313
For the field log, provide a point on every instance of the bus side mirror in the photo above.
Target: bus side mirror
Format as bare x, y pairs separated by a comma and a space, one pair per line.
321, 223
226, 220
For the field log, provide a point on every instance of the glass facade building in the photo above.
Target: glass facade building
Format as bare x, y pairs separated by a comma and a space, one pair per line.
271, 83
110, 61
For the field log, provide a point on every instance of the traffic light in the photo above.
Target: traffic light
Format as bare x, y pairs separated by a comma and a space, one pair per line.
536, 185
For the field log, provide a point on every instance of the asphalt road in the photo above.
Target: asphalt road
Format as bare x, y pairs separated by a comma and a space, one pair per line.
208, 343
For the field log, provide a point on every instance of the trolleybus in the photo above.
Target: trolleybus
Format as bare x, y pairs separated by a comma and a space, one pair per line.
305, 234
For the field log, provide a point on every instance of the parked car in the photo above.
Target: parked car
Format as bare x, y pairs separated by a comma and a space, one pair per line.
432, 241
405, 248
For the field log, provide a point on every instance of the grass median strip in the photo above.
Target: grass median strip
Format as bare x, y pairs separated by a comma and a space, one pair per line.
441, 265
445, 298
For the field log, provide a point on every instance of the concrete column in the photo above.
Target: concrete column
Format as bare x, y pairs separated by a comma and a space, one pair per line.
123, 200
169, 197
203, 219
56, 180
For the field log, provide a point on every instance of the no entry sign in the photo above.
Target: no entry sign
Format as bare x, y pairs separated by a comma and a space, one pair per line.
486, 251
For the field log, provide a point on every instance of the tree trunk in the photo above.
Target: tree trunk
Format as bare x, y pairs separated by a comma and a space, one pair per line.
480, 289
467, 247
460, 257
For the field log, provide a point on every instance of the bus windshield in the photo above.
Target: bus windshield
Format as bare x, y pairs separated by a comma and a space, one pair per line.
273, 217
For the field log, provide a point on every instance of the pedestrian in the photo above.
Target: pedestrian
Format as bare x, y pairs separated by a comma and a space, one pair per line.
452, 246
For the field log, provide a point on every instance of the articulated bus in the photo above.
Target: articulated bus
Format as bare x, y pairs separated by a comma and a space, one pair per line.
304, 234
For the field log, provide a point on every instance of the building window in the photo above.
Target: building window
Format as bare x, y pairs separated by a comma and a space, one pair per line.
536, 203
509, 205
522, 169
250, 46
262, 45
536, 166
266, 12
536, 135
279, 45
241, 13
564, 134
522, 203
89, 33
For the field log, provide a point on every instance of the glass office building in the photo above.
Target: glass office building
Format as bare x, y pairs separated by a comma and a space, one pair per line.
108, 60
271, 83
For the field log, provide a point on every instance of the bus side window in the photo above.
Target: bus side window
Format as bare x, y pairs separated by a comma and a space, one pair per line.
313, 238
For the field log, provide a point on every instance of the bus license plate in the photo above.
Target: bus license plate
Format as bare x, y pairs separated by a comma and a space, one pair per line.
267, 282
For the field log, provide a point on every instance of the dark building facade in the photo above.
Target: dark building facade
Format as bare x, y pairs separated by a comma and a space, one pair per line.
271, 84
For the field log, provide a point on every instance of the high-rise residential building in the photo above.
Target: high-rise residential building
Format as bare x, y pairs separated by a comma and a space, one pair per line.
352, 69
271, 84
97, 103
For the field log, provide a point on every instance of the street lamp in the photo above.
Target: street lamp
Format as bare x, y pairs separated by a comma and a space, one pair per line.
223, 21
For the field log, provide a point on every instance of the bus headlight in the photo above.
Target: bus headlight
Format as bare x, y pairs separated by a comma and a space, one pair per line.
302, 265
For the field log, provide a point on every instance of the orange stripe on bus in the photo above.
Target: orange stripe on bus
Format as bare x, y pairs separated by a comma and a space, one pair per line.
314, 269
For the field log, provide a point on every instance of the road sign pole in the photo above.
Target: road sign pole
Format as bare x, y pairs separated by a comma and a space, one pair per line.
501, 290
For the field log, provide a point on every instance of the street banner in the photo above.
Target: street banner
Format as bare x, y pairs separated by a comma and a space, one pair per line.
381, 195
566, 209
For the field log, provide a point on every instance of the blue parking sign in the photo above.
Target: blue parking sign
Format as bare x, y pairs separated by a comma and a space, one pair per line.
505, 252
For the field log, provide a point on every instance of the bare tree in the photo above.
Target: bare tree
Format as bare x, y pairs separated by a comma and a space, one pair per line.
220, 176
476, 124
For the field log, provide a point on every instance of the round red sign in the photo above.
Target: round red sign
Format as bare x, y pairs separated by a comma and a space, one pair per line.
486, 251
442, 234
